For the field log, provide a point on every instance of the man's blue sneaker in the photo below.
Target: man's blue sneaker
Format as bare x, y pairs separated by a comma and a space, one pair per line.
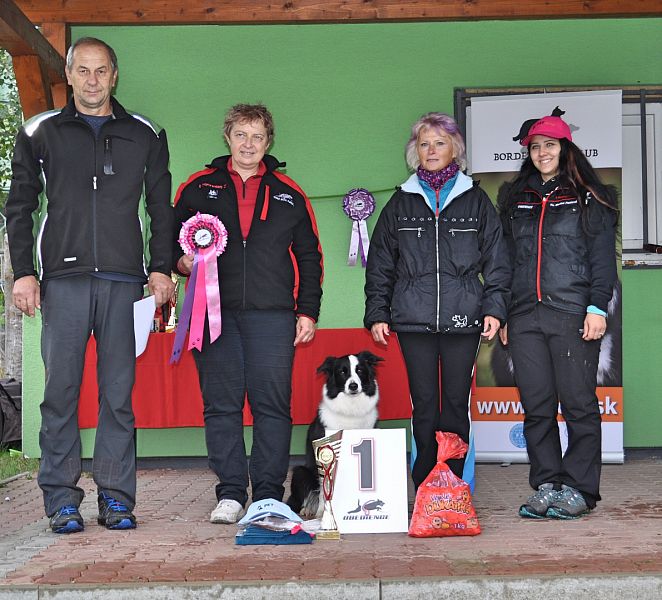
113, 514
67, 520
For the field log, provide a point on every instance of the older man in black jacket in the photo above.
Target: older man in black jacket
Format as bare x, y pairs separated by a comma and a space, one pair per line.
83, 170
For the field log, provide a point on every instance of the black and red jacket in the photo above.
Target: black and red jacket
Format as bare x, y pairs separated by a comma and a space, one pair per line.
555, 261
279, 264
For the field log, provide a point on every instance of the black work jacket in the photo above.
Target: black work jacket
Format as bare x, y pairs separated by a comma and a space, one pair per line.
86, 191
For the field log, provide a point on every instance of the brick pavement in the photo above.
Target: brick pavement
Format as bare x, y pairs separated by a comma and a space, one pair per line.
175, 542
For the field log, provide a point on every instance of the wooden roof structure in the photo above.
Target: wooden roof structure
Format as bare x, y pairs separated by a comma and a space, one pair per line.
38, 53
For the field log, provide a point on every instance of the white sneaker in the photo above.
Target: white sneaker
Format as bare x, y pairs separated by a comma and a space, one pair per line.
227, 511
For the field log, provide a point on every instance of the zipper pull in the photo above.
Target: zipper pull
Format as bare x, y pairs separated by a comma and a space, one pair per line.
244, 243
419, 231
94, 182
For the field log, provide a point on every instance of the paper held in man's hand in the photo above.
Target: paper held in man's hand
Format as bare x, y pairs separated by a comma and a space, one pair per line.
143, 320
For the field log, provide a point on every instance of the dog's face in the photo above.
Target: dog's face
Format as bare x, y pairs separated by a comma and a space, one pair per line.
351, 374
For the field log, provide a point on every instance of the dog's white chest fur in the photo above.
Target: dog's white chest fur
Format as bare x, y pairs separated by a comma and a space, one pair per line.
349, 412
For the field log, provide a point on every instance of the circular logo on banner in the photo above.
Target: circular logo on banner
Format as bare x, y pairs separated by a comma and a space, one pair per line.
516, 435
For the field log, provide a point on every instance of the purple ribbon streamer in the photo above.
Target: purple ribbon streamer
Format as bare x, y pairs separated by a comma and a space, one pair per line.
185, 316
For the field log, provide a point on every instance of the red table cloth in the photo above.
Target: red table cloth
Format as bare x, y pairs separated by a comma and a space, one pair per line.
167, 395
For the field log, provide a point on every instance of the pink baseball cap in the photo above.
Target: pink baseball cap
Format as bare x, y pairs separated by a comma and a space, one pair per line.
554, 127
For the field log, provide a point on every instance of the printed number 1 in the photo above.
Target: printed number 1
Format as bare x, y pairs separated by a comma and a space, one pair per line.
365, 451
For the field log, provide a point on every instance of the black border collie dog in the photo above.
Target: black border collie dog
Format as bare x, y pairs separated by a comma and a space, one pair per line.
349, 401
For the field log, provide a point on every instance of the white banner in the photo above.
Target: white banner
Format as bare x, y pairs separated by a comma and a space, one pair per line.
503, 441
595, 120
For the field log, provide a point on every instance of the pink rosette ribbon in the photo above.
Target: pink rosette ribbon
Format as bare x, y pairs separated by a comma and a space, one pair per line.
205, 237
358, 205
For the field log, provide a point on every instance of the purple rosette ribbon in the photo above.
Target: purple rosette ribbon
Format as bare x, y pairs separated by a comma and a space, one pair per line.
205, 237
358, 205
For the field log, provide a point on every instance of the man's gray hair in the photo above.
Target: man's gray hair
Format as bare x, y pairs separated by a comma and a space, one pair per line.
91, 41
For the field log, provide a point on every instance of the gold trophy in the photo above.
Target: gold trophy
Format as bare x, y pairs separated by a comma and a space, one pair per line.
326, 455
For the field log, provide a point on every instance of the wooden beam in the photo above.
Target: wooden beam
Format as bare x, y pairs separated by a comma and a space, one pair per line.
33, 86
149, 12
20, 38
59, 36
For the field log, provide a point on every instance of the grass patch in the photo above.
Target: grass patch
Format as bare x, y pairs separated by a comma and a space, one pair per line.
13, 462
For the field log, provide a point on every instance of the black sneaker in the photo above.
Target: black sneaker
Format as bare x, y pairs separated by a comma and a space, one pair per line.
537, 505
113, 514
67, 520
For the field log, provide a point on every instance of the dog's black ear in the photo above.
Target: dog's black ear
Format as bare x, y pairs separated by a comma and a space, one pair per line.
327, 365
369, 357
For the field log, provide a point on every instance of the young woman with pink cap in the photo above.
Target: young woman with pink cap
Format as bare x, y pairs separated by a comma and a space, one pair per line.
560, 225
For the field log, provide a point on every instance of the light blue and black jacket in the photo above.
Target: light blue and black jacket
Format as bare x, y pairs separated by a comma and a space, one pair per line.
442, 272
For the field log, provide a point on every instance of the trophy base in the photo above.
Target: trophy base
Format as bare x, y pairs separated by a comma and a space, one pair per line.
327, 534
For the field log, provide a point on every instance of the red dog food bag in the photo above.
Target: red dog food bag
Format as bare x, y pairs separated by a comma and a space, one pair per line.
443, 504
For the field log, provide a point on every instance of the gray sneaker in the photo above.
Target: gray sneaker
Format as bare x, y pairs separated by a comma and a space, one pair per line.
568, 504
537, 505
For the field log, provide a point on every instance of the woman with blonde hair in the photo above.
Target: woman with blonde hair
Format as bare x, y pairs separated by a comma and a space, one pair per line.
438, 276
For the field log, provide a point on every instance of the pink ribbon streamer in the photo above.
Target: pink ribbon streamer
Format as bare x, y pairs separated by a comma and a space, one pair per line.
213, 293
206, 301
199, 308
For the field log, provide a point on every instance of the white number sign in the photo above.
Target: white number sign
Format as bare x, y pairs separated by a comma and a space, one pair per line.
370, 492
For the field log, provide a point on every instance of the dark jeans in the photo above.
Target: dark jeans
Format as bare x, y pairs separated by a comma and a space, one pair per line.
426, 355
554, 364
71, 308
253, 356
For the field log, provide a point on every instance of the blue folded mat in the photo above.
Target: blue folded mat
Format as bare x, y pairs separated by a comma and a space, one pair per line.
254, 534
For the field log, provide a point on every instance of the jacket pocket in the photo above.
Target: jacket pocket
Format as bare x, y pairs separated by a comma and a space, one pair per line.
455, 231
524, 224
582, 272
461, 302
417, 230
462, 240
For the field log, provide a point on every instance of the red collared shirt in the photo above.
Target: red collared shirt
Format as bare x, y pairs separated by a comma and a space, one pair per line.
246, 195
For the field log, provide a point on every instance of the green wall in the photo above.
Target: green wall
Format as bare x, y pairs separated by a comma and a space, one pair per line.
343, 98
642, 357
